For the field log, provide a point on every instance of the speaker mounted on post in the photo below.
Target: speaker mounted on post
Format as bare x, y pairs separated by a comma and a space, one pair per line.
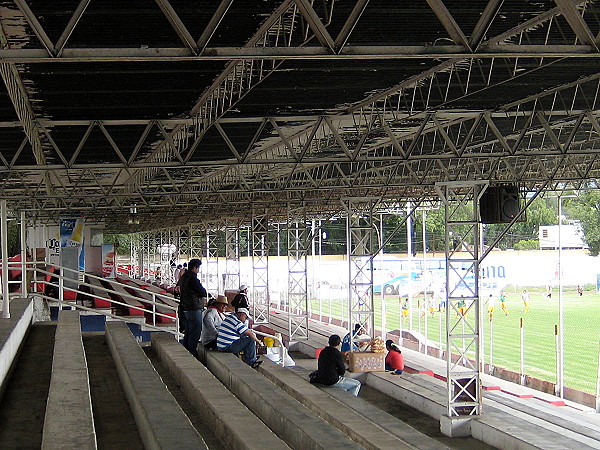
500, 204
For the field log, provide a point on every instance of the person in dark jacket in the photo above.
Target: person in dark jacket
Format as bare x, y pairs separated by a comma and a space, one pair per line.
331, 368
241, 299
192, 298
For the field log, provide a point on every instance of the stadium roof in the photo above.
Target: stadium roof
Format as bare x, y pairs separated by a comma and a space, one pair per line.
190, 111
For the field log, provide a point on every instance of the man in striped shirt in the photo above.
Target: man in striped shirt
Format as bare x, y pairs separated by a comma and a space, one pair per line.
234, 336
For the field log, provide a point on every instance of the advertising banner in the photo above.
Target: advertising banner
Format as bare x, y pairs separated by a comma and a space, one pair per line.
108, 261
71, 235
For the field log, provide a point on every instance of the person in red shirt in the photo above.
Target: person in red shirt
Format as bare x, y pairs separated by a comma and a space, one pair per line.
394, 360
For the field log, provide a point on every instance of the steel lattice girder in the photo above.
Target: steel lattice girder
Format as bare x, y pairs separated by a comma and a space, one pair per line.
373, 144
299, 236
461, 208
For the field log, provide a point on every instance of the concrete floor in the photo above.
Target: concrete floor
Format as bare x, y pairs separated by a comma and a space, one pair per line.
195, 417
23, 404
113, 420
23, 407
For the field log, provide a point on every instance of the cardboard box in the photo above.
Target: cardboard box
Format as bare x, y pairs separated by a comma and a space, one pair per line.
366, 362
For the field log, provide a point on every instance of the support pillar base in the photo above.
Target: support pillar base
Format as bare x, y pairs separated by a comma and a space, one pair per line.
456, 426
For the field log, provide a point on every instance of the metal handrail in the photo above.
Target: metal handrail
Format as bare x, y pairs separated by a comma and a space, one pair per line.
107, 314
61, 299
106, 291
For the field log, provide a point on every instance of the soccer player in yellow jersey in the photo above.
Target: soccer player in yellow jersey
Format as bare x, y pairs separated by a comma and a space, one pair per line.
525, 297
503, 303
462, 307
405, 310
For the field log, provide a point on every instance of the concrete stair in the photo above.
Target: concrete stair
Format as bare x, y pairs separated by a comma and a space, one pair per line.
241, 408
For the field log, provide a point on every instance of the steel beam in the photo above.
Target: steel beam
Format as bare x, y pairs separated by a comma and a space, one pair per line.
278, 54
232, 258
260, 267
361, 242
299, 237
462, 231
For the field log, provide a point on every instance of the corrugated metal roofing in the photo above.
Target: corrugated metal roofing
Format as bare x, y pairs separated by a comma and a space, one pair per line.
153, 121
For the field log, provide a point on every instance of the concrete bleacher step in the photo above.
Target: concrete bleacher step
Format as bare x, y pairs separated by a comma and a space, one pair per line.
354, 417
291, 421
160, 419
69, 405
546, 416
513, 416
503, 428
234, 424
411, 390
502, 425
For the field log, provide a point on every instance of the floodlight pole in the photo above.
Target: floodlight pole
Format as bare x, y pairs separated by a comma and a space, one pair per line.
561, 322
561, 342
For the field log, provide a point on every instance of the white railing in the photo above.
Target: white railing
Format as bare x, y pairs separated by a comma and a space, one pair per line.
156, 301
57, 281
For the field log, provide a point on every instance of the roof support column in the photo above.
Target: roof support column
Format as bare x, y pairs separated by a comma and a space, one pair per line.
260, 266
462, 235
212, 262
299, 237
4, 243
24, 271
361, 239
183, 243
232, 258
134, 253
146, 272
196, 240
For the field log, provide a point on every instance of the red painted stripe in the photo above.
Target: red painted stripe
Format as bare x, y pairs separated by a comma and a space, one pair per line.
518, 395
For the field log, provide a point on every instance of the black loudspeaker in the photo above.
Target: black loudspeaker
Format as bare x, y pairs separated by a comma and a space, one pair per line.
500, 204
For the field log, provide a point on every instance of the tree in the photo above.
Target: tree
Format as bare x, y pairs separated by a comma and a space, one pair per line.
586, 209
541, 211
121, 241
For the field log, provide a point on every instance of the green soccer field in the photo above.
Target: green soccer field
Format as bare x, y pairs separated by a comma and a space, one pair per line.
581, 322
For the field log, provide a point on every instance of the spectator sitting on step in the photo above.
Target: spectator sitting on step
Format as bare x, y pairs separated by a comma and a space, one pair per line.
347, 341
331, 368
241, 299
234, 336
212, 319
394, 360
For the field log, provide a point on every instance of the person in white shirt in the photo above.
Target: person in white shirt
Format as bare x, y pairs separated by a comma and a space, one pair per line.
212, 319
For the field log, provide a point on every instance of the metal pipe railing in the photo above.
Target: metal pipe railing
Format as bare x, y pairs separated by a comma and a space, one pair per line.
60, 285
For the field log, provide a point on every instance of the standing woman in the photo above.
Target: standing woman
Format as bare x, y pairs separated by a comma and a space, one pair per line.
394, 360
193, 296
